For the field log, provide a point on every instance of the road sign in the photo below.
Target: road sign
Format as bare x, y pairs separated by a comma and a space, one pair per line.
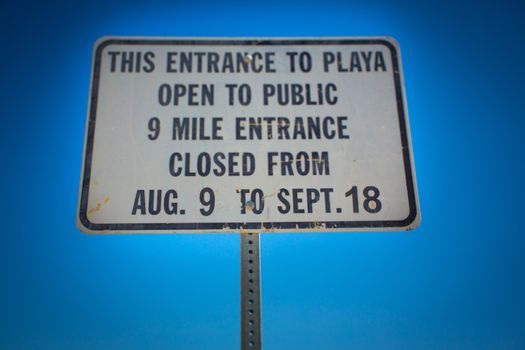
225, 135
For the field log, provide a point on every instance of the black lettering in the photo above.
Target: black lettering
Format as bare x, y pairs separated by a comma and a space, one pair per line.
331, 100
175, 171
216, 129
248, 164
329, 134
340, 67
154, 205
202, 129
227, 63
312, 196
321, 162
269, 62
213, 62
187, 170
256, 57
149, 65
243, 192
283, 124
181, 128
299, 128
239, 127
380, 62
199, 56
208, 94
328, 59
257, 198
292, 56
203, 164
367, 57
283, 94
297, 200
286, 163
126, 63
113, 55
179, 91
186, 62
314, 127
164, 94
170, 205
271, 162
255, 128
285, 208
268, 91
355, 63
341, 127
302, 163
269, 130
170, 62
217, 159
242, 62
232, 163
139, 204
245, 94
309, 100
297, 94
326, 192
230, 88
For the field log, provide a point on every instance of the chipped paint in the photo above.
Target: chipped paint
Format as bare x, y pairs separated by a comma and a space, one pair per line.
95, 209
248, 59
99, 205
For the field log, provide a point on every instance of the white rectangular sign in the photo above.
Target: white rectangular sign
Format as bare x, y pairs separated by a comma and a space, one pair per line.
224, 135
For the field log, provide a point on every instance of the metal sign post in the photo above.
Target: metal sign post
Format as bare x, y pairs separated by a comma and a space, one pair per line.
251, 326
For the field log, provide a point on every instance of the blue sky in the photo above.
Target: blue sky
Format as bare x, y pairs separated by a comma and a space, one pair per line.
457, 282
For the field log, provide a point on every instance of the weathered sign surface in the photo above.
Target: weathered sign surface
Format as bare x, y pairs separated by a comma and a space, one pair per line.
223, 135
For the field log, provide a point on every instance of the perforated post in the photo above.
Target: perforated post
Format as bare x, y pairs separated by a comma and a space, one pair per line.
250, 292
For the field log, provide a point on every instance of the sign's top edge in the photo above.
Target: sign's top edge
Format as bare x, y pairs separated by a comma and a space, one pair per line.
245, 37
313, 39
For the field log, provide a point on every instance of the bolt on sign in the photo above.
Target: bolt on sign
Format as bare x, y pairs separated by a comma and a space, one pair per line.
225, 135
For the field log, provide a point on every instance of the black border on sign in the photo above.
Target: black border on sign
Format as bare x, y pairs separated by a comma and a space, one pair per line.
219, 226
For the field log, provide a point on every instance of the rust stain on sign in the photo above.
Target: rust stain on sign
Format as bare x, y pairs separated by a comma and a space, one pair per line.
99, 205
